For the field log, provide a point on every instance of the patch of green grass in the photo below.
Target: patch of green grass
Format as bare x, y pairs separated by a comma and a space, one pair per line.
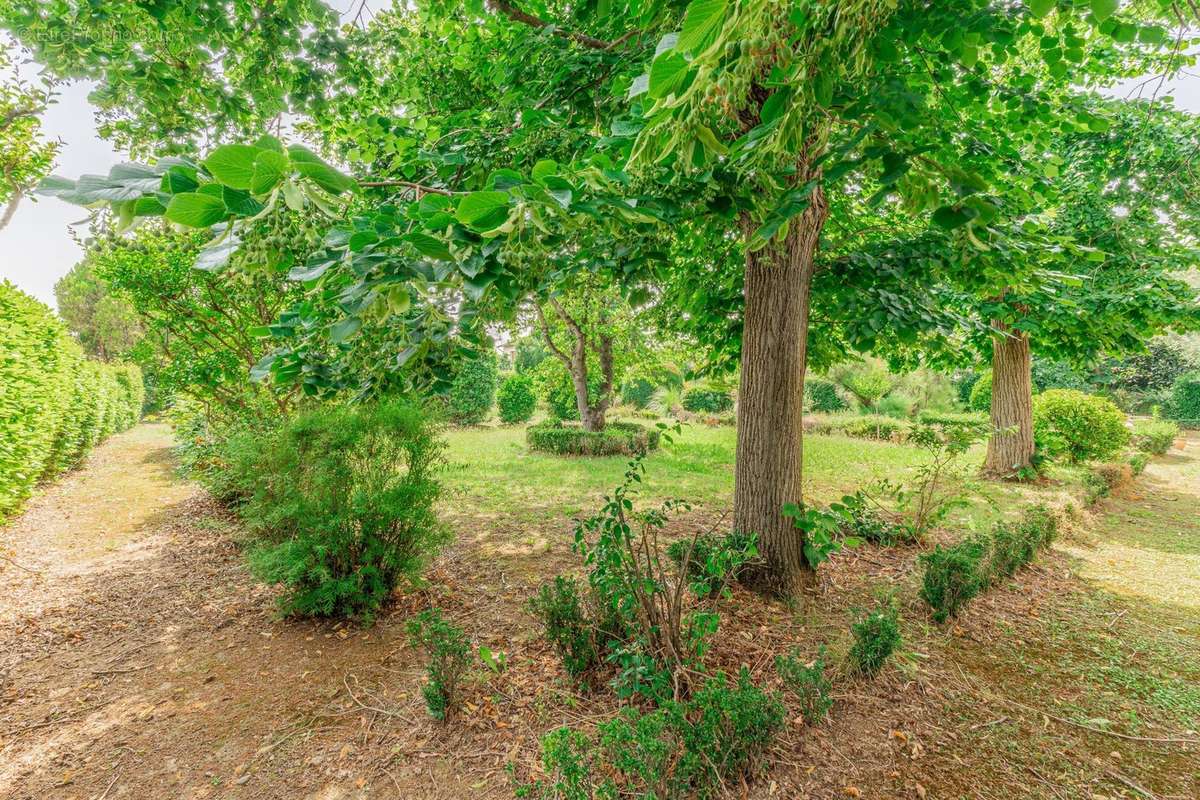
493, 472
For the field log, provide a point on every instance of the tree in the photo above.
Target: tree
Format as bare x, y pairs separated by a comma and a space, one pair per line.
25, 157
105, 323
753, 124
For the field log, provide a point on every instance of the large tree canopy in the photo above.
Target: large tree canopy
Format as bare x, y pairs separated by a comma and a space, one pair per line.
494, 142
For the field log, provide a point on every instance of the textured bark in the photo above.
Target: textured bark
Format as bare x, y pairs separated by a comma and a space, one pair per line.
771, 398
1011, 447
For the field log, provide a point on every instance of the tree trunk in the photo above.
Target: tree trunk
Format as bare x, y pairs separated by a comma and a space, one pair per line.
769, 459
1011, 447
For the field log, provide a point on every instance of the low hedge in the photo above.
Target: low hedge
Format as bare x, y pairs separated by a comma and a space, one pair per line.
617, 438
55, 404
707, 400
867, 426
1154, 436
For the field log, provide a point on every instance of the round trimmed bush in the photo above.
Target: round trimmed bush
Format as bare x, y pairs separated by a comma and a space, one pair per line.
1079, 426
473, 391
515, 400
824, 396
981, 393
707, 400
617, 438
1185, 398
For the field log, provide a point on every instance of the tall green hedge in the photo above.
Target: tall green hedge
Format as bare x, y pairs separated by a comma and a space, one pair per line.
54, 403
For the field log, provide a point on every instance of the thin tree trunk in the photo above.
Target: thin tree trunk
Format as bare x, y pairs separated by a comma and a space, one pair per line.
769, 459
1010, 448
10, 208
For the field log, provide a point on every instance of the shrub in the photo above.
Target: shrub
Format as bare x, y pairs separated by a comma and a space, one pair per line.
964, 381
343, 498
868, 426
559, 606
948, 418
952, 576
1185, 397
55, 405
707, 400
515, 400
1138, 462
864, 520
1154, 436
876, 636
824, 396
473, 390
617, 438
713, 558
692, 748
1079, 426
449, 654
637, 393
896, 404
980, 398
808, 682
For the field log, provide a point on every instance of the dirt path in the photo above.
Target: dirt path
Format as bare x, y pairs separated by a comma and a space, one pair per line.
1149, 541
137, 659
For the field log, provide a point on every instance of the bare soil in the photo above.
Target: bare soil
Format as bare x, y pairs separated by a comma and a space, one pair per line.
138, 659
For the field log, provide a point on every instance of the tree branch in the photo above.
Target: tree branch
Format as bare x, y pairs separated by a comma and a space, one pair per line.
546, 334
517, 15
11, 208
419, 187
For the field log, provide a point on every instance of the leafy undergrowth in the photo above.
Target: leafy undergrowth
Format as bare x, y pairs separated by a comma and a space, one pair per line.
171, 671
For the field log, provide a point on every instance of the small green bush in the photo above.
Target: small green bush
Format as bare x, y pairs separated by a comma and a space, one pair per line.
1138, 462
638, 393
876, 637
473, 390
948, 418
808, 682
693, 748
714, 557
1079, 426
516, 401
1154, 436
342, 500
559, 606
897, 404
867, 426
449, 654
1185, 397
867, 522
824, 396
981, 393
617, 438
952, 576
1011, 548
707, 400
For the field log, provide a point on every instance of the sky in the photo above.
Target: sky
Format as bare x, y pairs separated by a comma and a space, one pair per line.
37, 248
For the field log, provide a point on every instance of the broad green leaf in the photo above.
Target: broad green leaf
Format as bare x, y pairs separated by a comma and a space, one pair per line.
483, 211
544, 168
233, 164
701, 23
666, 73
269, 169
325, 176
343, 330
1040, 8
427, 245
195, 210
950, 217
1103, 9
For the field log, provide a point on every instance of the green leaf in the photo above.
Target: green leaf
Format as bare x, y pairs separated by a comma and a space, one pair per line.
427, 245
483, 211
950, 217
195, 210
343, 330
1103, 9
269, 169
701, 23
233, 164
1040, 8
325, 176
666, 73
544, 169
